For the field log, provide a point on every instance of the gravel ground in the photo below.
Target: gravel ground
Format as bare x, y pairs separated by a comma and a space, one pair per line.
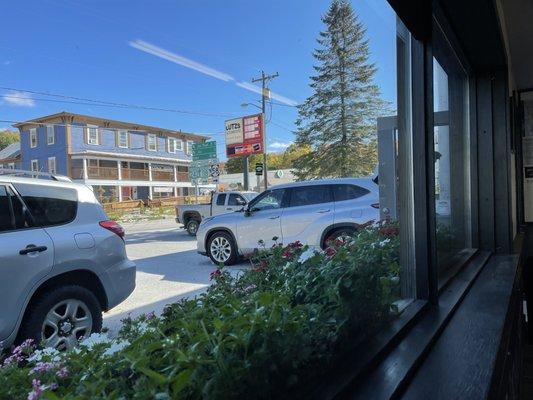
168, 269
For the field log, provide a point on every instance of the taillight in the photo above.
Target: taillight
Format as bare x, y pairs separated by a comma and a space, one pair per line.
375, 205
113, 227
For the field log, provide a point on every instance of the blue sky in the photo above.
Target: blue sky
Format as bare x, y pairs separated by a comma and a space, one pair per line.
118, 51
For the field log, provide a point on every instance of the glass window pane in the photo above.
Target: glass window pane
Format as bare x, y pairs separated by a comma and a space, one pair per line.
5, 211
236, 200
307, 195
221, 199
348, 192
451, 156
49, 207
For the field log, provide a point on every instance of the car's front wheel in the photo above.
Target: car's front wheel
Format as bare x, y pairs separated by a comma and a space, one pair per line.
192, 227
221, 249
62, 317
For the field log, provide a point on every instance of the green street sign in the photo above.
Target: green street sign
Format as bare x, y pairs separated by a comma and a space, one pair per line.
204, 151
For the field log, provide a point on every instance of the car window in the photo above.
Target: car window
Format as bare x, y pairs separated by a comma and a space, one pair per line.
348, 192
13, 214
49, 206
271, 199
221, 199
236, 200
312, 194
6, 218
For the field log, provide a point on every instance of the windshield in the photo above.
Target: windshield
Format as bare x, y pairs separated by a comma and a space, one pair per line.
250, 195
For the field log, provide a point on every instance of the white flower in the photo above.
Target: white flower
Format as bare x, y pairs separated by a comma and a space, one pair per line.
115, 347
49, 353
307, 254
95, 339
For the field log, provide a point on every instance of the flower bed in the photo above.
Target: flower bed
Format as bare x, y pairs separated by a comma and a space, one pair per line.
262, 334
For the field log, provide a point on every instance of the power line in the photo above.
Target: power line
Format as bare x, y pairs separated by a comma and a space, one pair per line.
115, 104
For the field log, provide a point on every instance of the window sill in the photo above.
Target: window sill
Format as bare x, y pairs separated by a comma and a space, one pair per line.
384, 366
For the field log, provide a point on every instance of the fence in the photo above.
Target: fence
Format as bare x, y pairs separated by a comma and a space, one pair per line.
136, 205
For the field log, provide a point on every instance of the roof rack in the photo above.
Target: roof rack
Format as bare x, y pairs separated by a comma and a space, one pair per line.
34, 174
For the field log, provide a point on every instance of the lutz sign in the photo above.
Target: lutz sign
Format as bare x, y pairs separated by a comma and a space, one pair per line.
244, 136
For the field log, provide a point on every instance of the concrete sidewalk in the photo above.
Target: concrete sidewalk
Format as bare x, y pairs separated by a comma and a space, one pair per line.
154, 225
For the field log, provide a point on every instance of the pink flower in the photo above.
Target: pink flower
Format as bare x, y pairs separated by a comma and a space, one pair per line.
62, 373
215, 274
43, 367
37, 391
150, 316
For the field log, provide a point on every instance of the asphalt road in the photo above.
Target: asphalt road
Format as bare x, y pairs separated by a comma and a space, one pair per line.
168, 269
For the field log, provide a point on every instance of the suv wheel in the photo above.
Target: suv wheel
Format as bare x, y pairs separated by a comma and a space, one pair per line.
222, 249
340, 234
62, 317
192, 227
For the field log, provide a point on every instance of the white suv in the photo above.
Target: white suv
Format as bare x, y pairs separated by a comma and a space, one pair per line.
310, 212
62, 262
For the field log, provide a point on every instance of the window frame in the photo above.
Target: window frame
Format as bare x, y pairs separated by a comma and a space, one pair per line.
36, 162
50, 129
150, 136
33, 135
88, 129
12, 192
171, 145
119, 133
189, 144
293, 189
55, 165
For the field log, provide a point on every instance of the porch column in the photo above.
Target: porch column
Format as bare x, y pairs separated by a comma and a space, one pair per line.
85, 175
175, 174
150, 176
119, 169
119, 191
175, 191
150, 191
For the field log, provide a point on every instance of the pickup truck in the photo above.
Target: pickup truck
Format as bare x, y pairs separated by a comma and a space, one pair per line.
190, 215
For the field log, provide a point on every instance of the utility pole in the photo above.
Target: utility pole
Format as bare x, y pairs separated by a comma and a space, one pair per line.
264, 94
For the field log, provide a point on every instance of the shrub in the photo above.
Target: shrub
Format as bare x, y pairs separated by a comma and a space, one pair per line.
258, 335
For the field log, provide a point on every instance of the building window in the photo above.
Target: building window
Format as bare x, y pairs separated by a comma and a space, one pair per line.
50, 134
35, 165
171, 145
33, 137
92, 135
151, 142
452, 155
52, 165
179, 145
11, 165
122, 139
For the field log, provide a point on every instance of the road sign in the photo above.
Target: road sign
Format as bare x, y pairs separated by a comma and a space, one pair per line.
199, 170
204, 151
259, 169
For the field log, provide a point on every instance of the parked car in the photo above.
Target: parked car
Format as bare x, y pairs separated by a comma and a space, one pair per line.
63, 262
311, 212
191, 215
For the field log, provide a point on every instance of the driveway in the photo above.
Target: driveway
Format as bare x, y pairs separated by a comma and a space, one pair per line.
168, 269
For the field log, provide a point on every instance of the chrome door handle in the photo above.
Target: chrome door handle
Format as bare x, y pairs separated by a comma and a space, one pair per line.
274, 217
31, 248
323, 211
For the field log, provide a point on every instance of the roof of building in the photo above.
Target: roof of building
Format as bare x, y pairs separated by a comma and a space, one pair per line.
68, 117
11, 151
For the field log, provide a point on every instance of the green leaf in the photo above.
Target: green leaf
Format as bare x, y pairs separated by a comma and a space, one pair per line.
154, 375
181, 381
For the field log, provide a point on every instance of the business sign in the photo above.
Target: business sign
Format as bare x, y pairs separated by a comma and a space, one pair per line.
259, 169
244, 136
204, 151
163, 189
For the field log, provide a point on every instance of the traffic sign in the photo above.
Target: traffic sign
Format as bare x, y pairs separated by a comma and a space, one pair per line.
259, 169
204, 151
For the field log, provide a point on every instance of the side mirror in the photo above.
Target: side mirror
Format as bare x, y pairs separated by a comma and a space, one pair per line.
247, 211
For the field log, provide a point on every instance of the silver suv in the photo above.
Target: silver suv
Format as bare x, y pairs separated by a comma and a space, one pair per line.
62, 262
311, 212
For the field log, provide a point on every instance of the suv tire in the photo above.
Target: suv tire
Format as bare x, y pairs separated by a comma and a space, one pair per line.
221, 248
336, 234
72, 312
192, 227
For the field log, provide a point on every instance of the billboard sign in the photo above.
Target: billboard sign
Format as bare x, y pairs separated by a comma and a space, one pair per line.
249, 130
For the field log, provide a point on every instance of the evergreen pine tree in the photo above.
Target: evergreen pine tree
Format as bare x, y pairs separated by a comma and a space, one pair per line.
339, 119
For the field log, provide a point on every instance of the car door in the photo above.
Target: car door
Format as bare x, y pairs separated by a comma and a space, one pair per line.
235, 202
26, 257
262, 222
355, 204
219, 204
311, 210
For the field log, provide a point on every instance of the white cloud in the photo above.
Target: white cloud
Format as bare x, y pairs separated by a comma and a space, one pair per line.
21, 99
256, 89
279, 145
176, 58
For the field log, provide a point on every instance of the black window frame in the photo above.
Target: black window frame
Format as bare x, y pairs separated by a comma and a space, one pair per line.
11, 192
236, 195
284, 199
348, 184
221, 196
